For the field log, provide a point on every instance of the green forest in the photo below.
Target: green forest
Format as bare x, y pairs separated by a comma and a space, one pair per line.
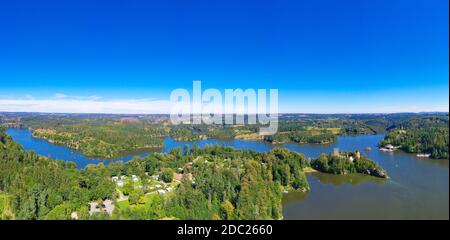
107, 141
347, 162
215, 182
429, 135
212, 182
114, 136
229, 184
35, 187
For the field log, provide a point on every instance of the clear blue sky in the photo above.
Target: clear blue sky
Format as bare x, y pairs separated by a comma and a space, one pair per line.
323, 56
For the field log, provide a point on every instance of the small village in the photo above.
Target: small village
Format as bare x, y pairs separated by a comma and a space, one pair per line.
392, 148
154, 184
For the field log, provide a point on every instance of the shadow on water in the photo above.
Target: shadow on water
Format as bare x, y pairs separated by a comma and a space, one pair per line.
333, 180
351, 179
418, 188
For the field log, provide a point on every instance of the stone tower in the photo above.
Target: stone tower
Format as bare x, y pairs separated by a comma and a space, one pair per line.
358, 154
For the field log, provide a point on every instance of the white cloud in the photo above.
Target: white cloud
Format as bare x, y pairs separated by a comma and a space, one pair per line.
65, 104
62, 103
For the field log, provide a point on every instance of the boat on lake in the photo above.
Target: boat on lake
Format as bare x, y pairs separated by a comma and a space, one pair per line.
423, 155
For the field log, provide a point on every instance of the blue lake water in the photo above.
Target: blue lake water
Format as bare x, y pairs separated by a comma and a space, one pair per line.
417, 188
44, 148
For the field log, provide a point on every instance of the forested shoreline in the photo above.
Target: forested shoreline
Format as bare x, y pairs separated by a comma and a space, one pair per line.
426, 135
113, 137
214, 182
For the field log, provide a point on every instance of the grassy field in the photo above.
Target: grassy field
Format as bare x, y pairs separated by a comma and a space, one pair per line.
317, 129
4, 206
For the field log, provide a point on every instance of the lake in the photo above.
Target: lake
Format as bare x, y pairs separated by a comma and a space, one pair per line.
417, 189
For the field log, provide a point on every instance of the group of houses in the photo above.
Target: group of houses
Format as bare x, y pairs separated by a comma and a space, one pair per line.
121, 182
161, 187
106, 206
388, 148
392, 148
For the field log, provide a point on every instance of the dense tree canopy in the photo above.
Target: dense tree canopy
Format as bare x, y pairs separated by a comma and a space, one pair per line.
226, 184
37, 185
421, 135
347, 162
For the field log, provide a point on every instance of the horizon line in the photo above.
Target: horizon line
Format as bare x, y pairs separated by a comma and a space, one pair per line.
280, 113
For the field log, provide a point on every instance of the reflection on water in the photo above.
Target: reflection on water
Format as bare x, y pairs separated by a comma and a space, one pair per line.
352, 179
437, 162
294, 196
417, 189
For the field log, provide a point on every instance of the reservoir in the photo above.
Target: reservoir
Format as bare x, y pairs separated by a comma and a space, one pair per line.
418, 188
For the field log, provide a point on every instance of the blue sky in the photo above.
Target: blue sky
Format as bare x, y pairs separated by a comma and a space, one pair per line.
323, 56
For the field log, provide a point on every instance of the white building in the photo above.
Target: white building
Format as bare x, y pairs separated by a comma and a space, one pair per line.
135, 178
336, 152
350, 159
162, 191
155, 177
120, 183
